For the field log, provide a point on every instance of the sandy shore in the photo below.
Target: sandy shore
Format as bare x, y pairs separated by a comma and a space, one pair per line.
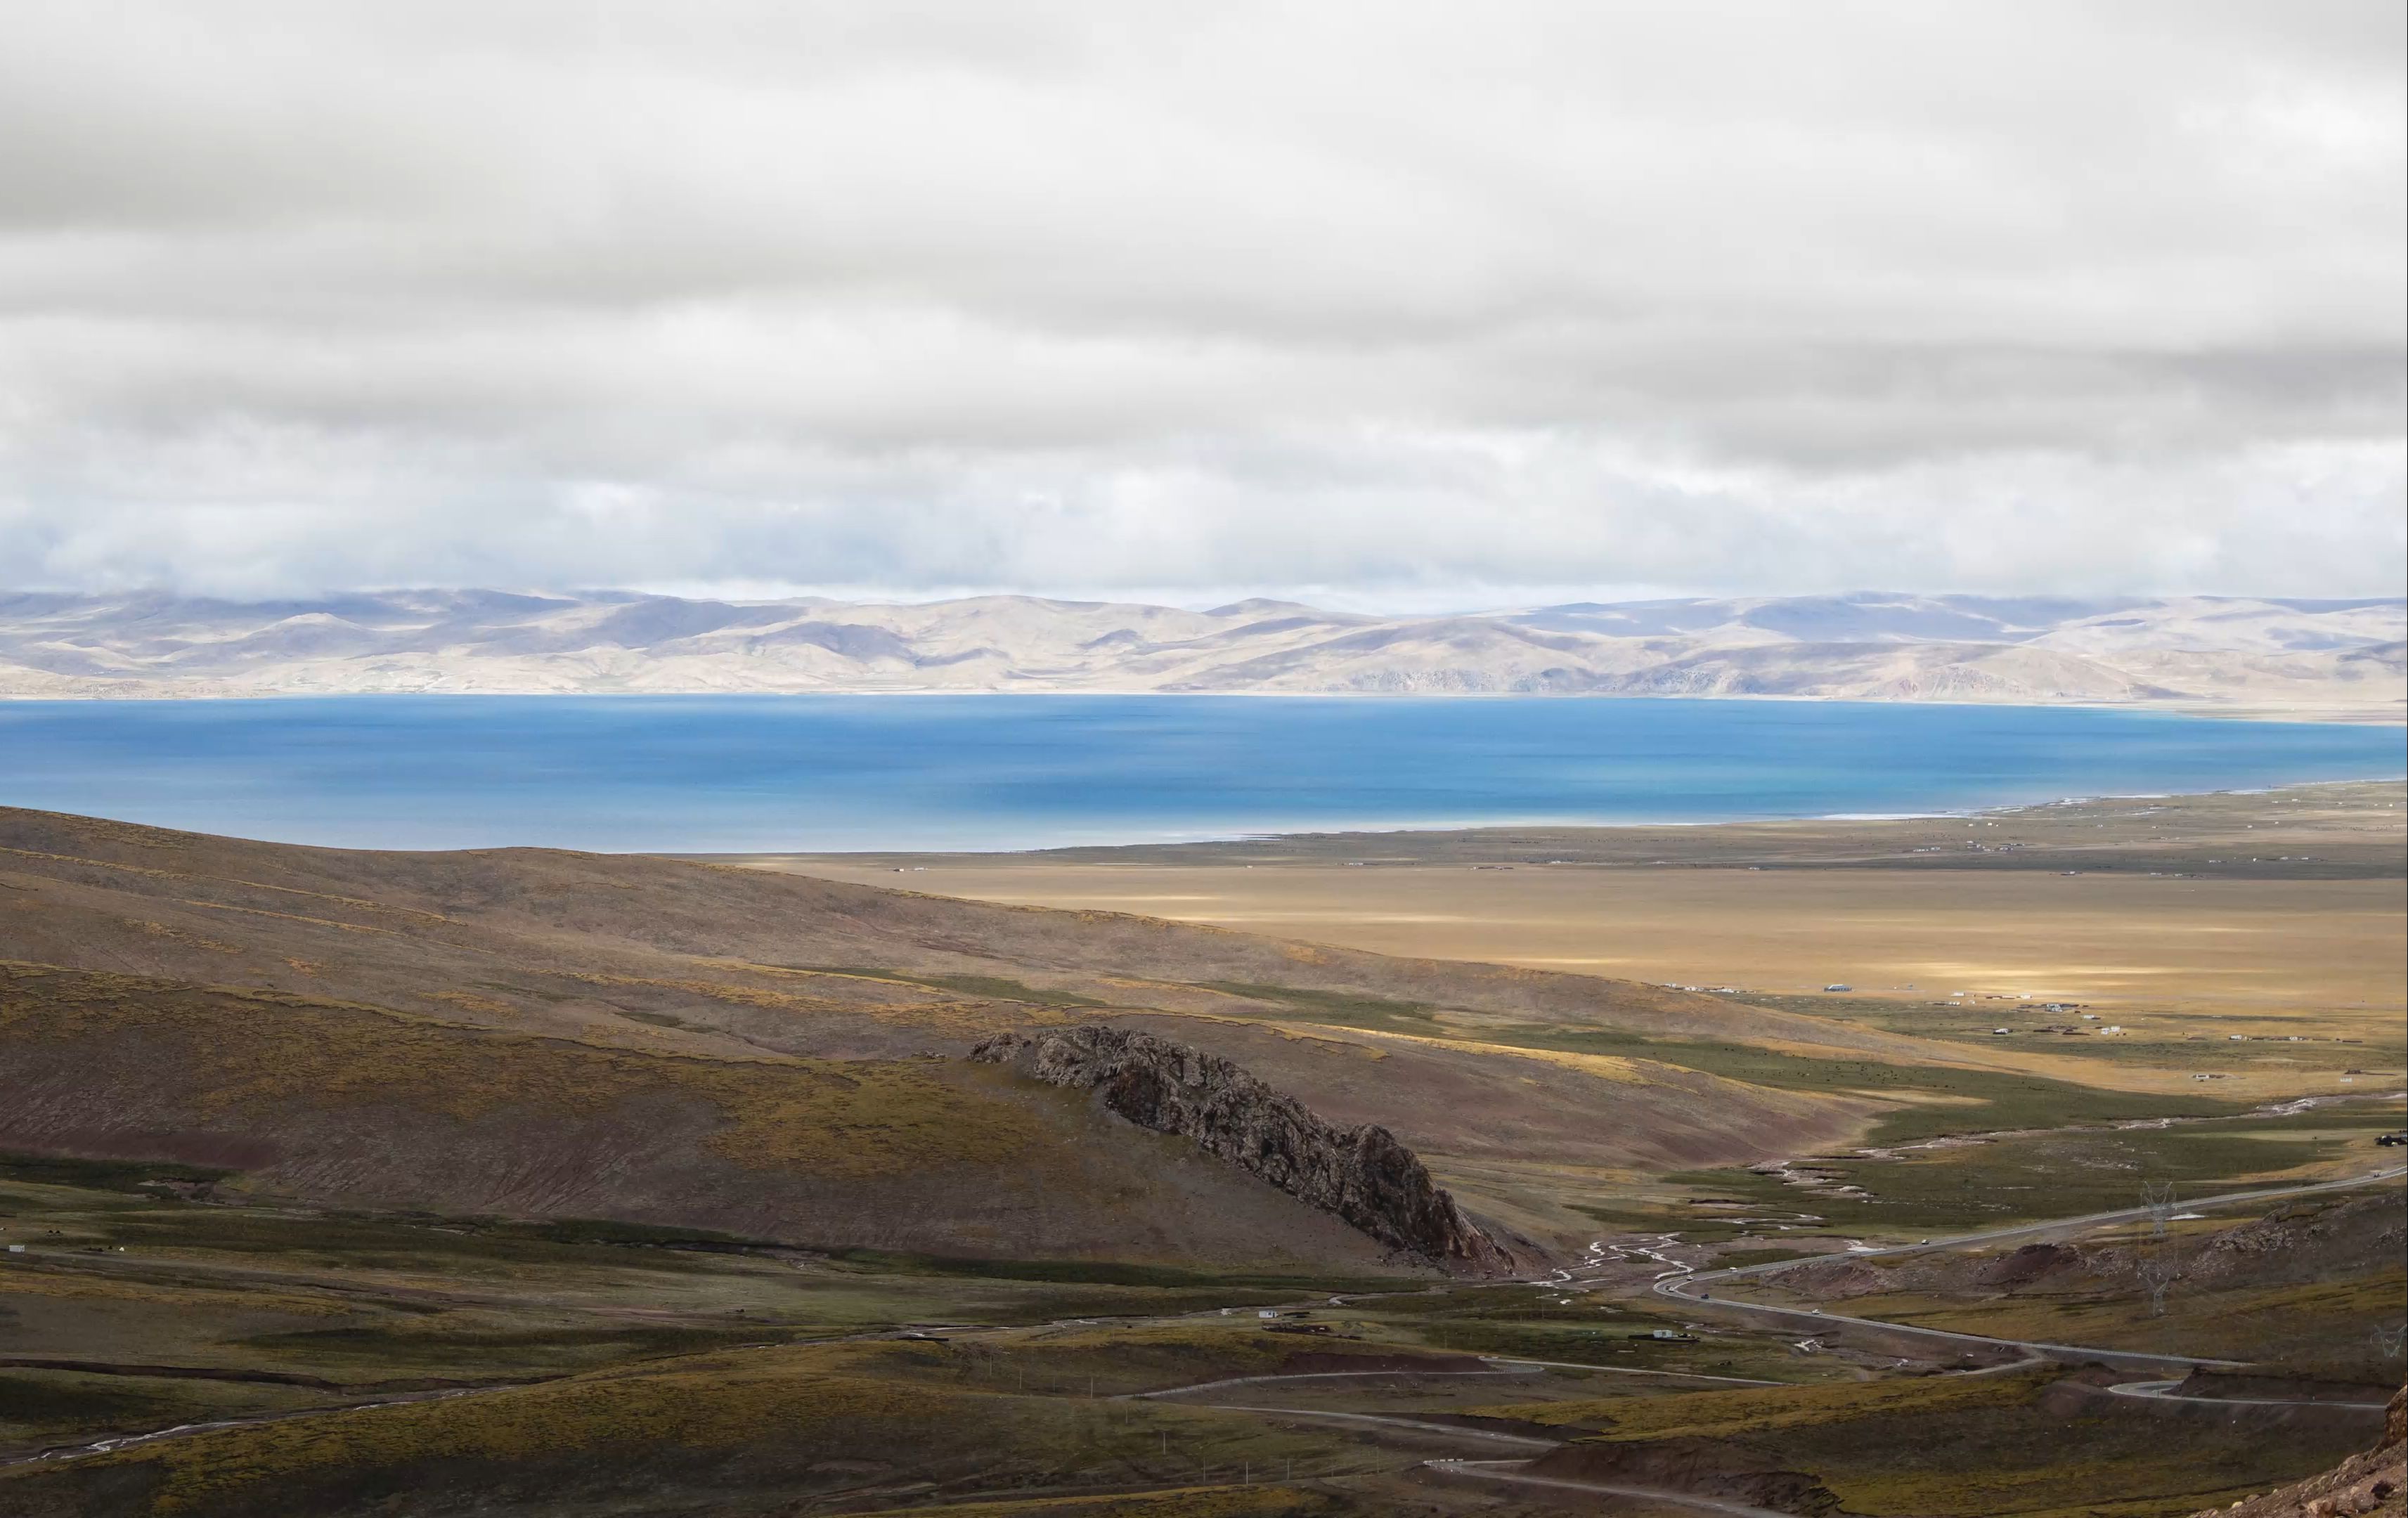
2263, 914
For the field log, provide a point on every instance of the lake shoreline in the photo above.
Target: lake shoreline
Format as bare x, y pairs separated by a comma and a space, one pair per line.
1884, 841
850, 774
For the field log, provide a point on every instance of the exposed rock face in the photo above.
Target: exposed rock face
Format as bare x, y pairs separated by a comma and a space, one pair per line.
1362, 1175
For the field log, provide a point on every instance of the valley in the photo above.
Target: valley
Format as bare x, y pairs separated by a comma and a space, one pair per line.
560, 1182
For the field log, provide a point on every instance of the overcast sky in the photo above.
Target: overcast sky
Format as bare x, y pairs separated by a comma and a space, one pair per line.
1394, 304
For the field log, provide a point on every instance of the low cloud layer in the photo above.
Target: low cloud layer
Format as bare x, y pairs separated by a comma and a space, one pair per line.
1388, 301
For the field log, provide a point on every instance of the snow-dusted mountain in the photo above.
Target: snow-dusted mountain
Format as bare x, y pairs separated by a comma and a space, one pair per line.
2333, 656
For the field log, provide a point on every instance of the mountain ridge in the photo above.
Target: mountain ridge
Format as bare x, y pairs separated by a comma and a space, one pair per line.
2335, 657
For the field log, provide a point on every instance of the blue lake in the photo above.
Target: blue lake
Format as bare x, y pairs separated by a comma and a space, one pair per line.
1021, 771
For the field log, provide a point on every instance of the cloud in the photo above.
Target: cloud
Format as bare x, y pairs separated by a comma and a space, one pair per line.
1072, 298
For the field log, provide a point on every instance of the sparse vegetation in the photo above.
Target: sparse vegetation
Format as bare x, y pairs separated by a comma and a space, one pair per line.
688, 1228
1338, 1009
1947, 1101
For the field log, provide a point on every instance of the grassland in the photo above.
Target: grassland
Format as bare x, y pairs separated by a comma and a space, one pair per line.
2047, 1173
774, 1425
1936, 1100
911, 1154
248, 1053
2309, 1289
2266, 915
2019, 1446
645, 1187
718, 984
563, 1366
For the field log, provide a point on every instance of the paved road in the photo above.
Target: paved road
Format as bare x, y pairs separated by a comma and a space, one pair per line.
1692, 1288
1510, 1470
1382, 1420
1309, 1375
124, 1441
2164, 1391
1504, 1470
1635, 1370
1672, 1287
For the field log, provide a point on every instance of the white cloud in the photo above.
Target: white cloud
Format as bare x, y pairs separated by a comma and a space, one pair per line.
1399, 301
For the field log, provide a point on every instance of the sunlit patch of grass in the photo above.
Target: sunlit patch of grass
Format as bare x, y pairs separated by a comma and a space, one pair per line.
999, 987
1945, 1100
2026, 1175
1382, 1014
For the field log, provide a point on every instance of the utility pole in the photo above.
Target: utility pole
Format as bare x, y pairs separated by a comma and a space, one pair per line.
2158, 1197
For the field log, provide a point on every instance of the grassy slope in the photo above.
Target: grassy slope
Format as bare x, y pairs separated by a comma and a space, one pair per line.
748, 1432
2301, 1287
305, 1308
1535, 1095
727, 965
1956, 1447
319, 1100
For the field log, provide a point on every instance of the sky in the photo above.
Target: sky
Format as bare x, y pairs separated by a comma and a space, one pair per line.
1385, 304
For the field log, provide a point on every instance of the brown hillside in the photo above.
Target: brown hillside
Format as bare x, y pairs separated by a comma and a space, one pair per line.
714, 965
332, 1101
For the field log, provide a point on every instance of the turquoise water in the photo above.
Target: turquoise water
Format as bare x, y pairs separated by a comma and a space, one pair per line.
1024, 771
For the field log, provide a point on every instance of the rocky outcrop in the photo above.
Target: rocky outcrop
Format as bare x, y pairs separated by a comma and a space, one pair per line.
1362, 1175
2031, 1263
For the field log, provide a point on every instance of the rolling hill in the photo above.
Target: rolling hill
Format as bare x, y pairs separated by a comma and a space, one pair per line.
533, 1033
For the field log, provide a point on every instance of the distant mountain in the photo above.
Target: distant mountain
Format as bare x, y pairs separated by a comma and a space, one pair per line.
2334, 657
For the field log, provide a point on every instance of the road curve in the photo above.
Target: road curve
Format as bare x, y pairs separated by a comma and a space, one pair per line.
1493, 1470
1672, 1287
1486, 1470
1635, 1370
1689, 1288
2163, 1391
1482, 1435
1303, 1375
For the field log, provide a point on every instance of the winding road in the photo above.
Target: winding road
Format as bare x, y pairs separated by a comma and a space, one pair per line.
1488, 1470
1689, 1286
1683, 1284
2163, 1391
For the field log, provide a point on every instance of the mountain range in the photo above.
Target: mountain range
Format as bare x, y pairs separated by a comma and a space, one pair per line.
2323, 657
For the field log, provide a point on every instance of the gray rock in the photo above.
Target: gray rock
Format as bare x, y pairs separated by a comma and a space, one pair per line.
1361, 1174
